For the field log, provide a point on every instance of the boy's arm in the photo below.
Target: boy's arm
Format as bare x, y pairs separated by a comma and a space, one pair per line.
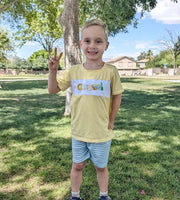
52, 82
53, 68
116, 102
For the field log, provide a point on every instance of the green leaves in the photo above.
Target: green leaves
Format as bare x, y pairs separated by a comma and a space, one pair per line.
37, 20
117, 14
5, 45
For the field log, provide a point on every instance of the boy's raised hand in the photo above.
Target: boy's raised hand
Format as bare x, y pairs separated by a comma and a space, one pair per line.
54, 62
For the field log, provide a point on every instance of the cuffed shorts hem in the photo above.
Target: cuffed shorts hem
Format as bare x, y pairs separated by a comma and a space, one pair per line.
97, 152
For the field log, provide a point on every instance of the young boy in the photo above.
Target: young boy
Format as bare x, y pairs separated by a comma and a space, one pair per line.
96, 98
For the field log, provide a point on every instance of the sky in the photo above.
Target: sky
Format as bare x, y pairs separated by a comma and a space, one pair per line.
150, 30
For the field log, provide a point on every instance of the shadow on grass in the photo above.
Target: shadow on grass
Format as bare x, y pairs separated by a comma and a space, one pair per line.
24, 85
34, 152
37, 173
144, 155
27, 113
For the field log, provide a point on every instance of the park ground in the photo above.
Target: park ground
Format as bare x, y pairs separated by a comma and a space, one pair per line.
35, 143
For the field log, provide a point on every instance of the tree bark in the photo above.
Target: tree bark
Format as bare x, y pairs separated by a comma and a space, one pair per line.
69, 22
174, 66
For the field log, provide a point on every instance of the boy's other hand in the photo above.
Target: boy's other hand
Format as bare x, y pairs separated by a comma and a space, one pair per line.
111, 125
54, 62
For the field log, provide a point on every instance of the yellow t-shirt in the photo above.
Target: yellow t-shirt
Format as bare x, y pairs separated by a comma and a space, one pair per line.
91, 100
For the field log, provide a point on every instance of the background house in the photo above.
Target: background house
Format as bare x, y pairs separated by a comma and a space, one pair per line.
125, 65
142, 63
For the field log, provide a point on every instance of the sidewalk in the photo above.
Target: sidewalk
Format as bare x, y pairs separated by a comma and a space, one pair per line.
13, 80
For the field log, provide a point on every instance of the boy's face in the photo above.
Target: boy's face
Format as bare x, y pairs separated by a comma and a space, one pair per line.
93, 43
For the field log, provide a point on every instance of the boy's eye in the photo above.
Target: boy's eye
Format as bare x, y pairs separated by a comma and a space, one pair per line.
87, 41
98, 41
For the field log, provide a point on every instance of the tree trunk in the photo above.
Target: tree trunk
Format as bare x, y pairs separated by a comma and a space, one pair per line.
174, 66
68, 20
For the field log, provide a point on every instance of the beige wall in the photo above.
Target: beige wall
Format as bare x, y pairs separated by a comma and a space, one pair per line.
142, 65
125, 63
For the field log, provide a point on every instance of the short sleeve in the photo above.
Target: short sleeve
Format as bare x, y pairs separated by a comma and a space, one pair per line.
116, 86
64, 80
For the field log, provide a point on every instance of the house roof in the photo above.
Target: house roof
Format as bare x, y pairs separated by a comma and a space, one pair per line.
119, 58
142, 61
127, 68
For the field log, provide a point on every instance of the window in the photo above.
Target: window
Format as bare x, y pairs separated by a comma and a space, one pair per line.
120, 64
130, 64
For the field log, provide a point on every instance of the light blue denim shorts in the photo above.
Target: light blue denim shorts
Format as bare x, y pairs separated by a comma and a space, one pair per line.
97, 152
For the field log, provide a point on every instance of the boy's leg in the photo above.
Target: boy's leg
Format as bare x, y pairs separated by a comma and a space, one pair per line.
80, 155
76, 176
102, 177
99, 156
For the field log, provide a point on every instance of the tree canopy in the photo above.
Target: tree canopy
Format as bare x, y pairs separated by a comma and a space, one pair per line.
160, 60
143, 55
42, 55
172, 44
40, 16
6, 4
36, 21
117, 14
5, 45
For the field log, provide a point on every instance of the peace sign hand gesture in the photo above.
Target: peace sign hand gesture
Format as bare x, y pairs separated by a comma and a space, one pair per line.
54, 62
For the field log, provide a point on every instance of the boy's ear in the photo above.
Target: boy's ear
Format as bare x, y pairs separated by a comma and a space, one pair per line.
80, 43
107, 46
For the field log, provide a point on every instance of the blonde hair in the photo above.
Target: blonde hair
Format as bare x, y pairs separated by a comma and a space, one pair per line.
96, 22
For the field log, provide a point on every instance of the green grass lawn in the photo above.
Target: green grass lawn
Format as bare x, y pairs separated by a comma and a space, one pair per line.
35, 144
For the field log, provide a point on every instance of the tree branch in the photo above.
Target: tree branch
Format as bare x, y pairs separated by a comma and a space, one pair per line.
7, 5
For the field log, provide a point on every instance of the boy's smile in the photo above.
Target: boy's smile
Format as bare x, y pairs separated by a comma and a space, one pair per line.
93, 43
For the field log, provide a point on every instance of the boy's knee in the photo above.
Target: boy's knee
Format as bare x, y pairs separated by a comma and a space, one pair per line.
79, 166
98, 169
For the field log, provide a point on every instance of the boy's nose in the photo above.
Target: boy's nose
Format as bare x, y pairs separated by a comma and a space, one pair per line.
92, 45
